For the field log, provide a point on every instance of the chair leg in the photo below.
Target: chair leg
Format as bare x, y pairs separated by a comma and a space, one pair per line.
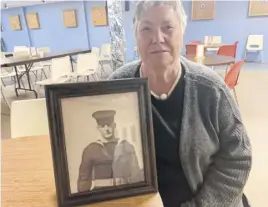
261, 56
102, 69
97, 76
36, 75
235, 96
44, 73
111, 65
245, 54
226, 70
3, 82
5, 99
22, 84
15, 89
38, 88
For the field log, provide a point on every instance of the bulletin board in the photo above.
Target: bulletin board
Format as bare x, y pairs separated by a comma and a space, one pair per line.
69, 18
203, 10
258, 8
15, 22
32, 21
99, 16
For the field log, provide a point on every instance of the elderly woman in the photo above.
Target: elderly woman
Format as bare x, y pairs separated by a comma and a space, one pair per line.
203, 153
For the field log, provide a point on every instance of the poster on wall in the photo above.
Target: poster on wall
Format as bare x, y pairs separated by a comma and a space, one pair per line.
203, 10
99, 16
15, 22
33, 21
69, 18
258, 8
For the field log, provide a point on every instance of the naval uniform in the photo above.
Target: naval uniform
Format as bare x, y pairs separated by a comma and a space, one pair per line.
108, 164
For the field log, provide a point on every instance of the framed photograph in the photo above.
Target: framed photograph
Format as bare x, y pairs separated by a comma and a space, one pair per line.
102, 140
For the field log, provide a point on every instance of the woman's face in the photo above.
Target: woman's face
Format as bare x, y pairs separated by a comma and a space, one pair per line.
159, 36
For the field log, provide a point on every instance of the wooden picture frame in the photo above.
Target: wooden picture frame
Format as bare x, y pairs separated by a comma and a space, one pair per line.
72, 123
32, 21
99, 16
203, 10
15, 23
69, 18
258, 8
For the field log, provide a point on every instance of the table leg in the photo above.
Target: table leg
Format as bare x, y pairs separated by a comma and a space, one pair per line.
71, 59
18, 80
27, 67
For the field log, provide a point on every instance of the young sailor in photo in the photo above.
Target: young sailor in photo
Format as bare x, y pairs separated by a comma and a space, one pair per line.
109, 161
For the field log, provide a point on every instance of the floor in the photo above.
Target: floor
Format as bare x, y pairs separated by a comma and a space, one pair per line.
252, 92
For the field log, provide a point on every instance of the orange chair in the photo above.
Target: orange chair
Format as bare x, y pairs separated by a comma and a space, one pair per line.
232, 76
227, 50
191, 49
236, 44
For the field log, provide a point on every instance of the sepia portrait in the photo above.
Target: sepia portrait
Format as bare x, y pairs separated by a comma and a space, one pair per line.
107, 150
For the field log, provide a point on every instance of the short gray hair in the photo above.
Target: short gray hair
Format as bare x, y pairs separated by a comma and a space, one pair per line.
143, 6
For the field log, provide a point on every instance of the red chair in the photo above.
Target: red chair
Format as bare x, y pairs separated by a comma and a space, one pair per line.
232, 76
195, 42
236, 44
227, 50
191, 49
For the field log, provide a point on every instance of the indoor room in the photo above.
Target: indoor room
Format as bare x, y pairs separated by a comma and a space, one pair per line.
55, 53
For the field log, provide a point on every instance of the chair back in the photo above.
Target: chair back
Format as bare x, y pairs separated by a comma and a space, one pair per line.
216, 40
95, 50
44, 50
212, 40
191, 49
106, 51
87, 61
60, 67
232, 75
22, 52
255, 42
4, 71
227, 50
33, 51
29, 118
207, 40
19, 48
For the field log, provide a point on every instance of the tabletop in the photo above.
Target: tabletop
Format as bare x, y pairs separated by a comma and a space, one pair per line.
14, 61
28, 177
212, 60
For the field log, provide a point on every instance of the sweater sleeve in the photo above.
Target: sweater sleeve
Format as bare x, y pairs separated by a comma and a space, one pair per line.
225, 179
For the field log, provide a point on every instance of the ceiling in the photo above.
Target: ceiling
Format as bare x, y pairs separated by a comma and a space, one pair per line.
13, 4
